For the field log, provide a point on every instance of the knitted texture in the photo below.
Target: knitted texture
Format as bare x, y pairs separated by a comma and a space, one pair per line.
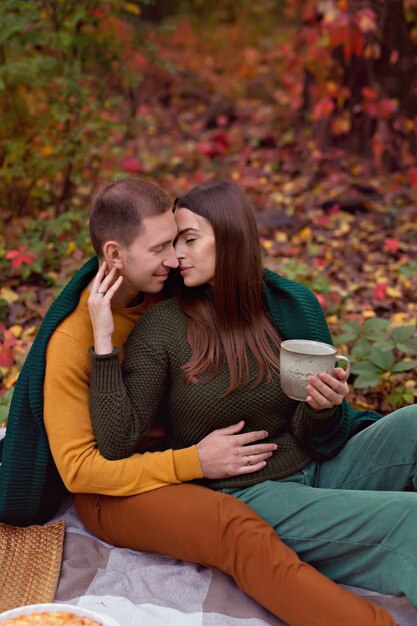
30, 487
155, 352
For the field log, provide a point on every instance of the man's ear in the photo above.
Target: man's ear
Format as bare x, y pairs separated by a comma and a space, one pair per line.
112, 255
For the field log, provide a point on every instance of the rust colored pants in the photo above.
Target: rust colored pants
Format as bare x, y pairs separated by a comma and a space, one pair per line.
193, 523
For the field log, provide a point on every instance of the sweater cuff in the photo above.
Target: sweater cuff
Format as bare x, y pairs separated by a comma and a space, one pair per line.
320, 419
106, 373
187, 464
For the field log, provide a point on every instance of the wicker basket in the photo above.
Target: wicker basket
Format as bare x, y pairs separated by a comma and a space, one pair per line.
30, 562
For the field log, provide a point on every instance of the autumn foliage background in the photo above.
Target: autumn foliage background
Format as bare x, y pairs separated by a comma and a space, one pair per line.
310, 105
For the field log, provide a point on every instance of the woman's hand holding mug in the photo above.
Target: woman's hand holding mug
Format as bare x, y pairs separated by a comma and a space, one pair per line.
308, 373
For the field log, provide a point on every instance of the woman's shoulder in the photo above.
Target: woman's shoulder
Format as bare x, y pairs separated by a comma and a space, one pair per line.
168, 307
161, 319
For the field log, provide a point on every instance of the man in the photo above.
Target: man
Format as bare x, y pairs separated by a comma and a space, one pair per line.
144, 502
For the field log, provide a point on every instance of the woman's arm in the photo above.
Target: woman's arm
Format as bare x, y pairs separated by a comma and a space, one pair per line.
124, 402
122, 407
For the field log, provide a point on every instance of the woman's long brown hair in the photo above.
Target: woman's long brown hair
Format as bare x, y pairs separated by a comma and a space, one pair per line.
226, 321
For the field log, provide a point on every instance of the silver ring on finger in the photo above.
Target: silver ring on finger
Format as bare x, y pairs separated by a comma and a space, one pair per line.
101, 292
248, 461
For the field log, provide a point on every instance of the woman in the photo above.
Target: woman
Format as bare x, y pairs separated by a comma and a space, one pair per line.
210, 357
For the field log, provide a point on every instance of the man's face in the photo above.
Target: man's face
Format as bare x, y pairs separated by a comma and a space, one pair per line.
148, 261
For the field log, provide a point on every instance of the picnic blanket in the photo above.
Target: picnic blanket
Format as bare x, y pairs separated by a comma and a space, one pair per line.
138, 589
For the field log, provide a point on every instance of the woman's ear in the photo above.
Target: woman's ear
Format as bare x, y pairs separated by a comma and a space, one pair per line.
112, 255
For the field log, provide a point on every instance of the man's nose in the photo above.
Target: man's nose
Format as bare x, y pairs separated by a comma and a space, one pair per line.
171, 260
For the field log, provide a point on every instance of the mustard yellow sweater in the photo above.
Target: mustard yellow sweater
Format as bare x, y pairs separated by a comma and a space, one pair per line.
67, 421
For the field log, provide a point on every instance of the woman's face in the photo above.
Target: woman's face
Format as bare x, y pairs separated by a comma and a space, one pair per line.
195, 248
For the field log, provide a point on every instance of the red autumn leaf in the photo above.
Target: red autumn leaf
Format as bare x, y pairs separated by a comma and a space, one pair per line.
222, 121
371, 108
394, 57
412, 176
355, 43
309, 11
131, 165
387, 107
392, 244
143, 110
334, 209
21, 256
199, 178
369, 93
221, 141
137, 62
322, 220
380, 291
208, 149
321, 299
6, 356
367, 20
323, 108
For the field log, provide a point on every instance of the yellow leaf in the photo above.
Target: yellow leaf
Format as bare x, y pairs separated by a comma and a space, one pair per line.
280, 236
16, 330
332, 319
10, 380
29, 332
394, 293
368, 313
132, 8
304, 234
267, 244
71, 248
8, 295
343, 229
400, 319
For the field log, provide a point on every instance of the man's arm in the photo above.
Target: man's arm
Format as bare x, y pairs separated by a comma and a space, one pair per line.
84, 470
71, 438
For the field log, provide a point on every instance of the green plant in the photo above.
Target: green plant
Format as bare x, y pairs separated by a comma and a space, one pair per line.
402, 395
5, 406
410, 269
380, 353
59, 87
301, 272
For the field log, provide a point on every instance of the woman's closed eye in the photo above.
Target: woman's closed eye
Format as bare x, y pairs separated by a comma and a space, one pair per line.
190, 239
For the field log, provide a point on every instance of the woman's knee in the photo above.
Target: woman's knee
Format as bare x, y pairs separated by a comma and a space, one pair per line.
407, 415
401, 425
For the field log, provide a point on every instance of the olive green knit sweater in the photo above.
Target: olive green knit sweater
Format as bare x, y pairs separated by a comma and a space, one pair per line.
123, 409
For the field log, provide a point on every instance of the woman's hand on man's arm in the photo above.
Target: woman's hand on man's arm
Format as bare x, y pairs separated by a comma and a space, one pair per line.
226, 452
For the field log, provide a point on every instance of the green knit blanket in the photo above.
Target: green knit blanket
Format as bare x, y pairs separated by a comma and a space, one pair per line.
30, 487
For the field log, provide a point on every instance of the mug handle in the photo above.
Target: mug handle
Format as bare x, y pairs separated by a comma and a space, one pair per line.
340, 357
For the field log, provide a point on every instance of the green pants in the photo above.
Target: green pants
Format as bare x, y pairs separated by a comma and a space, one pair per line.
349, 516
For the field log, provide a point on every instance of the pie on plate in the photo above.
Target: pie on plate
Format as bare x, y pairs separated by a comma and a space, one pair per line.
59, 618
55, 614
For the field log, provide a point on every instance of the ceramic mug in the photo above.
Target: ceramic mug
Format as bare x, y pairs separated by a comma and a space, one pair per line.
300, 359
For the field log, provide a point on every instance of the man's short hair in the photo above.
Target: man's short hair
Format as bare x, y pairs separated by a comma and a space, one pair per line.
119, 208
